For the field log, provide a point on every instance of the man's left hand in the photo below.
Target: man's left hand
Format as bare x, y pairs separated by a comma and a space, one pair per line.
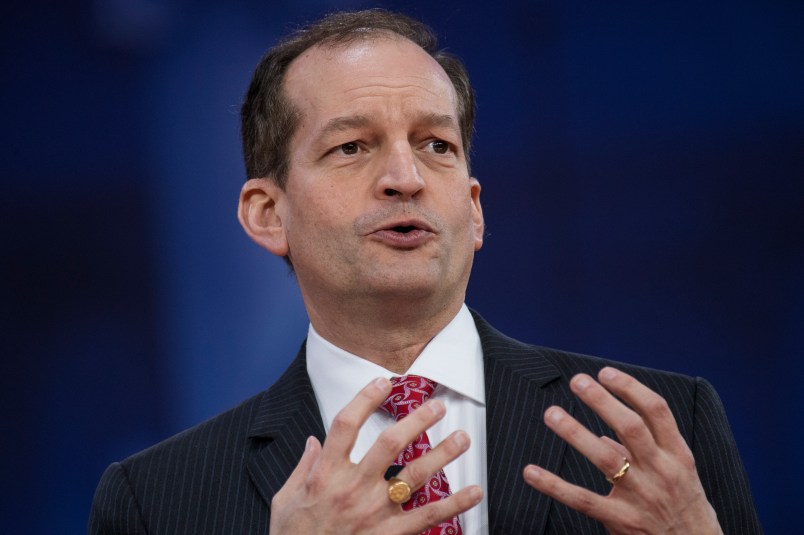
660, 492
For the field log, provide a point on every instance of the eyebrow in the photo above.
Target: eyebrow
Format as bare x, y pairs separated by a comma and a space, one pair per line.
340, 124
440, 120
350, 122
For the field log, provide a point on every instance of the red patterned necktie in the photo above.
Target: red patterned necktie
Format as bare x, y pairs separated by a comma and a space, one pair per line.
407, 394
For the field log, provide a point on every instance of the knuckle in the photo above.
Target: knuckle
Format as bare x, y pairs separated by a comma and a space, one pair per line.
369, 394
415, 474
314, 484
364, 523
633, 427
631, 522
389, 442
678, 472
595, 393
598, 395
344, 501
342, 423
657, 407
625, 381
343, 497
430, 514
569, 429
451, 447
583, 501
552, 486
688, 460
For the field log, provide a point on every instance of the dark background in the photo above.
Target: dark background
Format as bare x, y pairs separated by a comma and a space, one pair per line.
642, 167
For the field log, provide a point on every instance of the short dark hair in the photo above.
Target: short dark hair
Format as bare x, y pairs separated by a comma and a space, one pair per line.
269, 119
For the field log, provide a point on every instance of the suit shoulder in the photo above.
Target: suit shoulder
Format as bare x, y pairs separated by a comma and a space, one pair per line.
567, 363
581, 363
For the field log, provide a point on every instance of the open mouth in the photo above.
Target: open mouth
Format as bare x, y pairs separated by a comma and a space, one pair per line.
407, 235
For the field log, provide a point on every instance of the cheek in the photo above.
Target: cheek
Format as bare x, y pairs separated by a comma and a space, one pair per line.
329, 213
462, 213
318, 220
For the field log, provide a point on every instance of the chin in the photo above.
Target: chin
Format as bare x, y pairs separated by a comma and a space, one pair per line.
407, 285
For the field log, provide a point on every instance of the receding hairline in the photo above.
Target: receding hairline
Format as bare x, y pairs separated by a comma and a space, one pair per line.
345, 38
339, 43
336, 43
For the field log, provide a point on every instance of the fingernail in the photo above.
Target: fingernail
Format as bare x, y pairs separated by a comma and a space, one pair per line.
309, 445
437, 407
608, 374
380, 382
582, 383
462, 440
555, 415
532, 472
476, 493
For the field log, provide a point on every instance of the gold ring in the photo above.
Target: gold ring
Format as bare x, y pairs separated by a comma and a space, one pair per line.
619, 475
398, 490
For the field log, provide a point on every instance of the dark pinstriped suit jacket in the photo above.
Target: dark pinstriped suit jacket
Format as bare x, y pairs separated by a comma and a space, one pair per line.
220, 476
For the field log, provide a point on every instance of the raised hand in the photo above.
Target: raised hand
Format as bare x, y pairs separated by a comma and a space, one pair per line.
656, 488
327, 493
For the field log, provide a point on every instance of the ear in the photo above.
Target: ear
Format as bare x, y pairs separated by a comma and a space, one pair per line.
261, 202
479, 226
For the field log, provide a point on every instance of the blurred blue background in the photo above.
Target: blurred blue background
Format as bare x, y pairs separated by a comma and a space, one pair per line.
643, 183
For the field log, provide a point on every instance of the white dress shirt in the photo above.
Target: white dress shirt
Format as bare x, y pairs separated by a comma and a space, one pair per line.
454, 360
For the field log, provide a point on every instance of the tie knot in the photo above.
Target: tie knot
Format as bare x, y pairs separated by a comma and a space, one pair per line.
407, 394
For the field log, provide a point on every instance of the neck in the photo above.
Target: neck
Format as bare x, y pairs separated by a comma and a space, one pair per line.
390, 334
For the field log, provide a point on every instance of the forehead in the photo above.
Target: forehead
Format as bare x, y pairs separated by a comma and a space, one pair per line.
366, 71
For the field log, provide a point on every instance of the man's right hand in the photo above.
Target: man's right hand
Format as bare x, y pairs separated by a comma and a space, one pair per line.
327, 493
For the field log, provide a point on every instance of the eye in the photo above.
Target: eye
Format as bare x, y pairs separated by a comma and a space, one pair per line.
439, 146
349, 148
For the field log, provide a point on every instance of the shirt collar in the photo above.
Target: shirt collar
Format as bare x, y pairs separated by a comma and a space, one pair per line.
453, 359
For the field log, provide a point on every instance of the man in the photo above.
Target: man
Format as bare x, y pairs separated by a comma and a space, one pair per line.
356, 136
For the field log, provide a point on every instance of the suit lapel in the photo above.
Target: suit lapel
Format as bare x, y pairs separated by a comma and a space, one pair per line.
287, 415
520, 386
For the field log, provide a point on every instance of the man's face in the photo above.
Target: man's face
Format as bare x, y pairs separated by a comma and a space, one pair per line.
378, 199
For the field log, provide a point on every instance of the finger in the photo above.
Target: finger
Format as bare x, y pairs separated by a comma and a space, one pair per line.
608, 459
312, 452
395, 438
622, 450
417, 473
629, 426
421, 518
573, 496
347, 423
648, 404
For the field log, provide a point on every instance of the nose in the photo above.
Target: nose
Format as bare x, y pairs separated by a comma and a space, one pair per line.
399, 176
